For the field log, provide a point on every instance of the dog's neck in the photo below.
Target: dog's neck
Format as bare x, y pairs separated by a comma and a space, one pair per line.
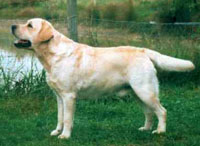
47, 41
43, 55
49, 49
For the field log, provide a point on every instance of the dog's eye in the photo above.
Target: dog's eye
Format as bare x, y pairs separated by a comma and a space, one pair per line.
29, 25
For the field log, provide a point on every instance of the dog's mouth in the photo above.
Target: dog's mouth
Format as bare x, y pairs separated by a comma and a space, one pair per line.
22, 43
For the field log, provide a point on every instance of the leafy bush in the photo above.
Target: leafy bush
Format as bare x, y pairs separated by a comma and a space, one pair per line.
127, 11
14, 3
110, 11
93, 11
124, 11
27, 12
176, 10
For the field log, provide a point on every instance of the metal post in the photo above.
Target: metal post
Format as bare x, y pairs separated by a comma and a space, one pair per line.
72, 19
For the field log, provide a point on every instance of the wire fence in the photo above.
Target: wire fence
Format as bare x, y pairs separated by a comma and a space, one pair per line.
91, 28
100, 32
179, 39
98, 29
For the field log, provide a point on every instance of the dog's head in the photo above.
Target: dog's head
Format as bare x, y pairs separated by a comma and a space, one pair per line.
35, 31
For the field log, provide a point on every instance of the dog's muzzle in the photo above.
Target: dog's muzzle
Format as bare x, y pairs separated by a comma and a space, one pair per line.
20, 43
13, 28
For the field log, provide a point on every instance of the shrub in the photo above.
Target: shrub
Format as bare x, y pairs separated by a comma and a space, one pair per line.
27, 12
123, 11
126, 11
110, 11
176, 10
14, 3
93, 11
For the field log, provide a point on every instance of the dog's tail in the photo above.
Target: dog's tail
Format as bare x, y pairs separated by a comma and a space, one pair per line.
169, 63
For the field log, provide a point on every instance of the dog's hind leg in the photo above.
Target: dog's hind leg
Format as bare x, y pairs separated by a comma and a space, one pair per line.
148, 118
145, 85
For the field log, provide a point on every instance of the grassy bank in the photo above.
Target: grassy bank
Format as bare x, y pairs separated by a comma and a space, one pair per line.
27, 119
57, 9
176, 41
28, 107
128, 10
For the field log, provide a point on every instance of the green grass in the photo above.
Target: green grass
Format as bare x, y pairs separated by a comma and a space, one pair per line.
27, 121
146, 10
28, 107
175, 41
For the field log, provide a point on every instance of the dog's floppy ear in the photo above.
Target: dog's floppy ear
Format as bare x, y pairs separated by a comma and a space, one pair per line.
45, 33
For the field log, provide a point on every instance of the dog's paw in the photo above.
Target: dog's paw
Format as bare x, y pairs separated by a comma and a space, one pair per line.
65, 135
55, 132
144, 129
158, 131
62, 136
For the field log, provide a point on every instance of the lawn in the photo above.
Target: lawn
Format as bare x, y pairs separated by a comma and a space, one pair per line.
28, 109
11, 9
111, 121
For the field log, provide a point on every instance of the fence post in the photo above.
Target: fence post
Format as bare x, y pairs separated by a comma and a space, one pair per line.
72, 19
94, 2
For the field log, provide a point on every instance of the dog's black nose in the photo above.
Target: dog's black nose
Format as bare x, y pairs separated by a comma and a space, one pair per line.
13, 27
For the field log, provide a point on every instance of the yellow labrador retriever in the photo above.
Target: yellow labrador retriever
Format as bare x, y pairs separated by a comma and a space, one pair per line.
73, 67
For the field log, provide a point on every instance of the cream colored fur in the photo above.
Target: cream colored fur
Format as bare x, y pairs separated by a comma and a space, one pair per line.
73, 69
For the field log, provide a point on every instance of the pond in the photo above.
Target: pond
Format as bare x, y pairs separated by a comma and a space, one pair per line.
15, 61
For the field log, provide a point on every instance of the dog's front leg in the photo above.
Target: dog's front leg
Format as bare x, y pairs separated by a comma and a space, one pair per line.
60, 116
68, 104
